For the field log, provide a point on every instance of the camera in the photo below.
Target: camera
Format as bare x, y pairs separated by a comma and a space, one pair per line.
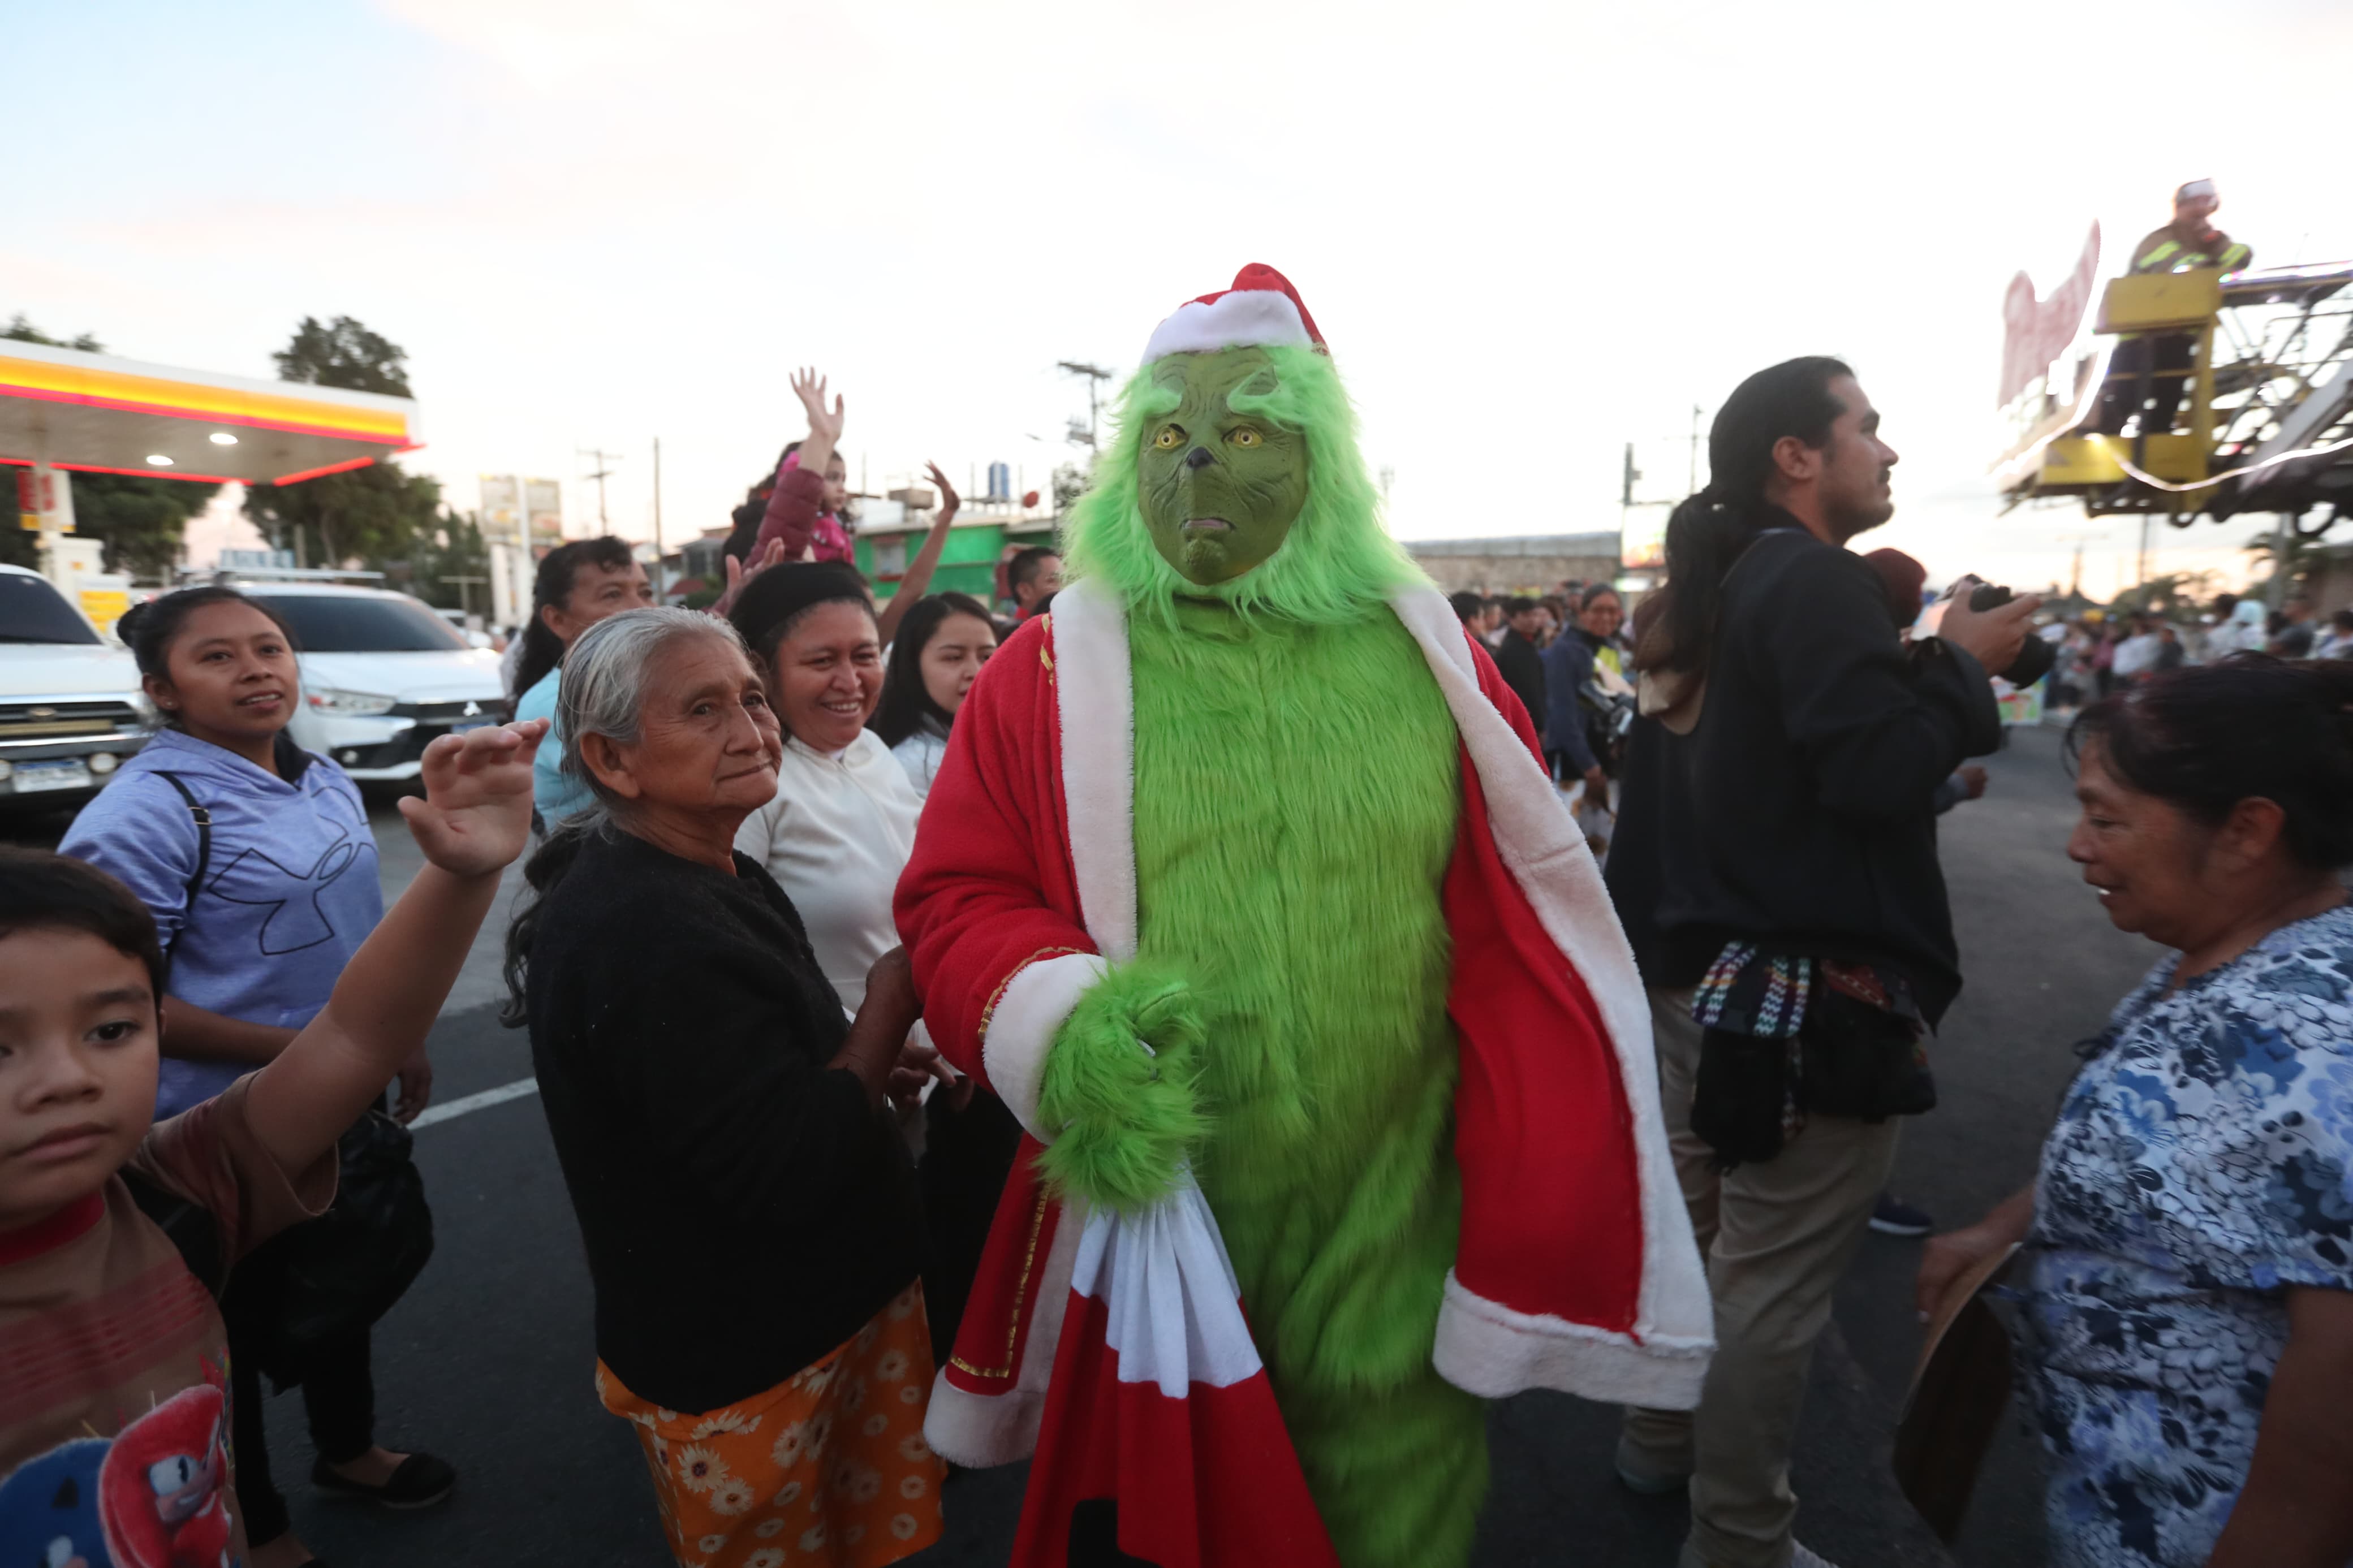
2036, 657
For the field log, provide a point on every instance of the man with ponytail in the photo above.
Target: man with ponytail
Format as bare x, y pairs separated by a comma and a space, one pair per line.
1775, 867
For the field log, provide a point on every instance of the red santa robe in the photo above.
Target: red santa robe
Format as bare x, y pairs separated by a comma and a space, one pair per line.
1576, 1269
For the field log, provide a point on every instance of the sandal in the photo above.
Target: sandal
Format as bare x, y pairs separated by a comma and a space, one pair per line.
420, 1482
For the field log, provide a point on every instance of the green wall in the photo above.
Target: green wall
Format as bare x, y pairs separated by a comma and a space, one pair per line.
967, 565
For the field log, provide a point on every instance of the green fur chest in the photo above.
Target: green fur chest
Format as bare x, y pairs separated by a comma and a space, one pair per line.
1297, 791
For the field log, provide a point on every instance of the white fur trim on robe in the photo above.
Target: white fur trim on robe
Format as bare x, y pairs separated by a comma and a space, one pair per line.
1022, 1029
978, 1430
1484, 1346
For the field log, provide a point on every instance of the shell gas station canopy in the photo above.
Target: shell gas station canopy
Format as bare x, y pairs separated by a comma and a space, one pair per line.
96, 414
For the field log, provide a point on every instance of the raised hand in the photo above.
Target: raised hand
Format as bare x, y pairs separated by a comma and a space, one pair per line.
476, 815
740, 574
949, 499
810, 388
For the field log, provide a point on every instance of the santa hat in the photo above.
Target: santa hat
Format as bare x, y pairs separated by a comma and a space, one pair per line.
1261, 309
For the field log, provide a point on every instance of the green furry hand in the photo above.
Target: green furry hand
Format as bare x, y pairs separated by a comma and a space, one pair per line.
1125, 1116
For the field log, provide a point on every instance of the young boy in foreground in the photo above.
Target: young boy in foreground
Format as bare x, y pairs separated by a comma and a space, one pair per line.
113, 1361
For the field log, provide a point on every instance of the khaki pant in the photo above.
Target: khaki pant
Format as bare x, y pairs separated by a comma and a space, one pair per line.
1775, 1236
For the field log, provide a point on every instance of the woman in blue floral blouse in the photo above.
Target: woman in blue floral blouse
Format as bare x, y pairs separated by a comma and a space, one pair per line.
2189, 1285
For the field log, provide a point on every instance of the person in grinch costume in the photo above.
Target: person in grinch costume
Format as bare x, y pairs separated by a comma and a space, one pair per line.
1242, 870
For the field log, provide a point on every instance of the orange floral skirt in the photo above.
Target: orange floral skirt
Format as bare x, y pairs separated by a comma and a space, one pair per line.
828, 1468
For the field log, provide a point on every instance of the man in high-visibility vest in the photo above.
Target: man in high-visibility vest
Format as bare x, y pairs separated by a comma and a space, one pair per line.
2190, 241
2189, 244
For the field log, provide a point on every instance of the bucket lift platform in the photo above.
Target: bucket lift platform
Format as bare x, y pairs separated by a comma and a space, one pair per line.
2235, 392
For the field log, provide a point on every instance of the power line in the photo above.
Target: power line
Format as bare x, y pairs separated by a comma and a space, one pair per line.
599, 456
1096, 375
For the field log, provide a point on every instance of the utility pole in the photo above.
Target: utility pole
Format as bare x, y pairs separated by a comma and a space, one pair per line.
466, 593
659, 588
2075, 576
1628, 479
1096, 375
599, 456
2283, 556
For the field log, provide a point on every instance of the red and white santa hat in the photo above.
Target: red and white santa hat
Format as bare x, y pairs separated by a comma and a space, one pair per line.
1261, 311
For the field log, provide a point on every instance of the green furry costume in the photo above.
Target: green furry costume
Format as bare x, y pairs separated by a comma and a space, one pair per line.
1296, 799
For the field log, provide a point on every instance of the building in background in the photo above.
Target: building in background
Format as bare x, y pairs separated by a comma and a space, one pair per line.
1528, 564
889, 535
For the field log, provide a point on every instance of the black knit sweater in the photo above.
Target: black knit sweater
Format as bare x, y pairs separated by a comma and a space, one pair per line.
745, 1210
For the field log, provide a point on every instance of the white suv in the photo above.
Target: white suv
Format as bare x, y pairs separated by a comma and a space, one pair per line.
70, 707
383, 674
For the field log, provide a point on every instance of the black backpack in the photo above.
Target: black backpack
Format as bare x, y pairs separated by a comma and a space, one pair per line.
190, 1226
329, 1276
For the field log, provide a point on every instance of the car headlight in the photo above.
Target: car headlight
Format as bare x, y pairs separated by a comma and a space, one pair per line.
327, 700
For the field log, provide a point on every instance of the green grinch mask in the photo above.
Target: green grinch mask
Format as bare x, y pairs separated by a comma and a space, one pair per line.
1219, 488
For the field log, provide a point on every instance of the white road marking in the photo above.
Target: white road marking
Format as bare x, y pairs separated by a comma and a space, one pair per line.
470, 1103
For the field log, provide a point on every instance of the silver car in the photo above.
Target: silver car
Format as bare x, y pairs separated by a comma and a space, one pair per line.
383, 675
70, 706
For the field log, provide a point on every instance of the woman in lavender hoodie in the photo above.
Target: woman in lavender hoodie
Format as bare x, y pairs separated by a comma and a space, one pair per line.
256, 858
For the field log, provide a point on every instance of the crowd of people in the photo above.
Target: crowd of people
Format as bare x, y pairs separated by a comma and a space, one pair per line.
2101, 653
211, 1032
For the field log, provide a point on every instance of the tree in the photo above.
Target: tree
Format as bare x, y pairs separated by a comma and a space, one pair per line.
22, 330
2290, 559
374, 515
371, 515
344, 353
2176, 596
451, 548
141, 519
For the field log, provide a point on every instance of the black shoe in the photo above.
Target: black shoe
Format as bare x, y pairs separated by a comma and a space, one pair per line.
421, 1481
1894, 1216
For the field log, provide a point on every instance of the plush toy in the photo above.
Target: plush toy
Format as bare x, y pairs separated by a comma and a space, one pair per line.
163, 1489
49, 1508
1241, 868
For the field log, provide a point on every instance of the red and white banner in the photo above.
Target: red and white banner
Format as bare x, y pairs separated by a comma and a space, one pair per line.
2037, 332
1161, 1439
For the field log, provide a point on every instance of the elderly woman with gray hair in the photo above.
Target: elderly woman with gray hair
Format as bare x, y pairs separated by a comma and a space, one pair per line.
750, 1213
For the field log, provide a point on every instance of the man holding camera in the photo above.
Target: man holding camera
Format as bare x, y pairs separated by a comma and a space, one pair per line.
1797, 941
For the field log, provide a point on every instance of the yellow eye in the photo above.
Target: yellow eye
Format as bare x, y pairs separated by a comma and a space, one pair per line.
1245, 437
1170, 438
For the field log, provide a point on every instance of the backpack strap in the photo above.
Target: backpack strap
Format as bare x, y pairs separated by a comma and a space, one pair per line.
203, 817
192, 1227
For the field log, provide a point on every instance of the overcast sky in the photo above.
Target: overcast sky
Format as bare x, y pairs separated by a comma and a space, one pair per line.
1529, 233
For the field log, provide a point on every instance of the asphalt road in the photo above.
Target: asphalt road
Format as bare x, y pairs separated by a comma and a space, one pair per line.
487, 1361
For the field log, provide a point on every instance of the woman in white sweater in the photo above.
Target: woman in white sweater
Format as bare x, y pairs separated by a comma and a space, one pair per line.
836, 837
940, 646
842, 823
